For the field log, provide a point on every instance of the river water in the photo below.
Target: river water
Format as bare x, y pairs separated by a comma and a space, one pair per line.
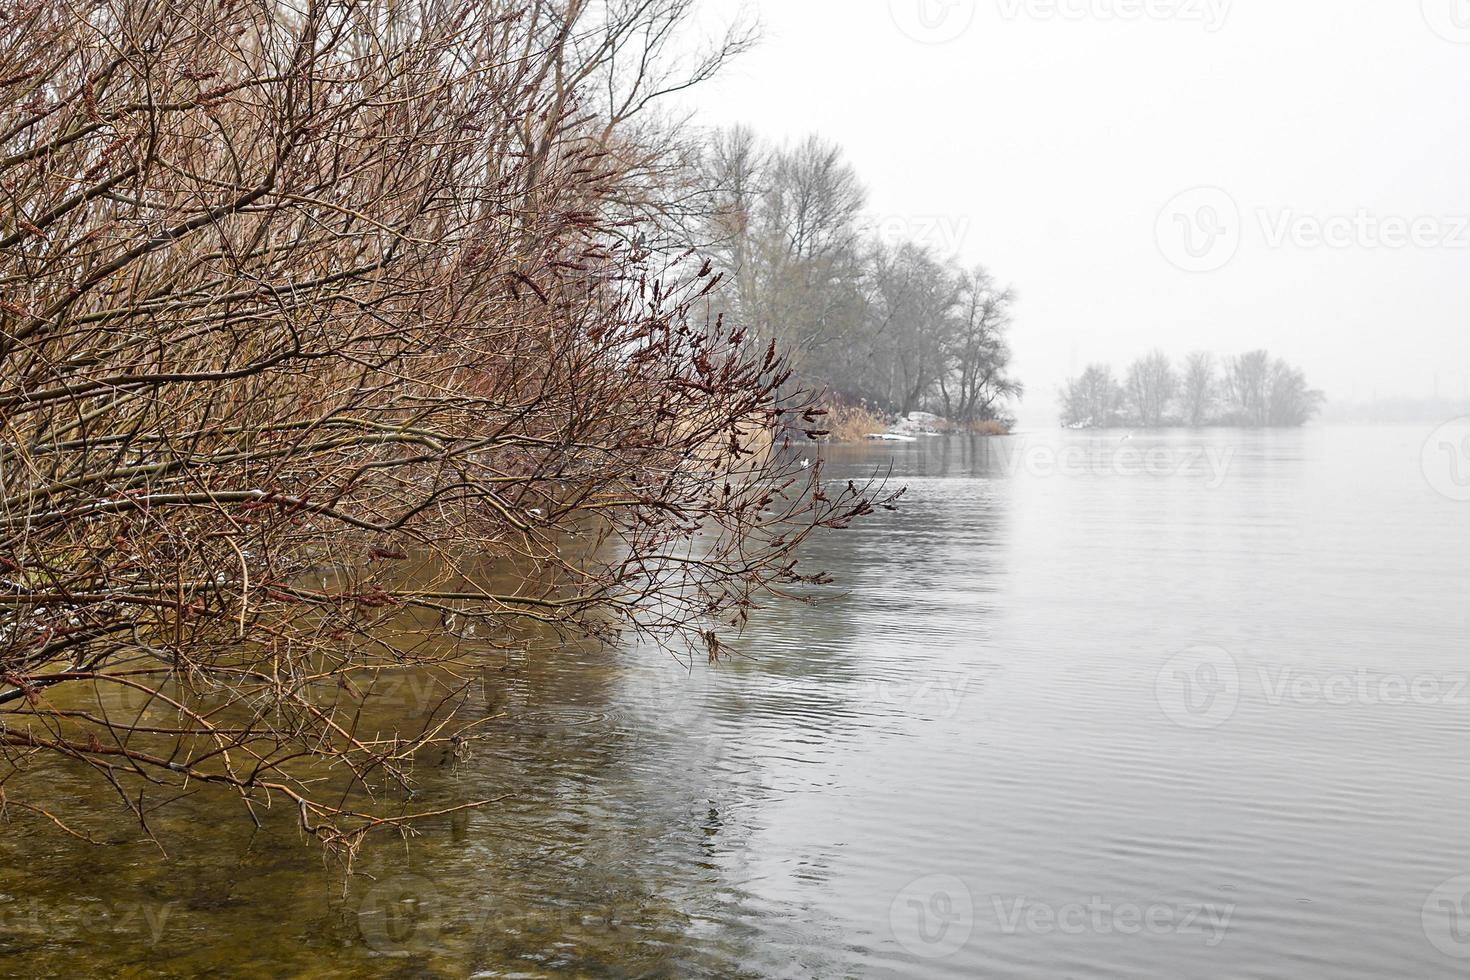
1160, 706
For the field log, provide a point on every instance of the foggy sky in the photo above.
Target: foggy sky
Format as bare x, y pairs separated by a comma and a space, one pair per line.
1051, 140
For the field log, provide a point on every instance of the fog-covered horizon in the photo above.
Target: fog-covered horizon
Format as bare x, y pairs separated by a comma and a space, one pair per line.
1172, 174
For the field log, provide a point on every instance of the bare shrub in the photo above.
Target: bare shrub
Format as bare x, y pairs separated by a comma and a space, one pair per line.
330, 334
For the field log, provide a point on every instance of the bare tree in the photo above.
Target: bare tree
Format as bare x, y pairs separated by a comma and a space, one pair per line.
1247, 381
1199, 389
1092, 400
809, 246
1150, 388
912, 312
976, 381
734, 179
1290, 402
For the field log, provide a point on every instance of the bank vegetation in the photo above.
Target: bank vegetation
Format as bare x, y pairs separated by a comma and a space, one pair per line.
333, 334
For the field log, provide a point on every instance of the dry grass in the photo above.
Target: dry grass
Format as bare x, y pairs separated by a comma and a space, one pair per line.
988, 427
853, 423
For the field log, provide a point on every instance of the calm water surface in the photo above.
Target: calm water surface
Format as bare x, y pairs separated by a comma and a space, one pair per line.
1177, 705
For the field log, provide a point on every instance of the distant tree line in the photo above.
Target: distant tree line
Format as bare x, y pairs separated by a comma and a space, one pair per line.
1252, 390
887, 323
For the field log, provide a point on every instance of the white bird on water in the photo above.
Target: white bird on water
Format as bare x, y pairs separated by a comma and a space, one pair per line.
806, 464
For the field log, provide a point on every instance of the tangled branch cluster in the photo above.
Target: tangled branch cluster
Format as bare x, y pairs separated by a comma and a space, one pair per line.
328, 329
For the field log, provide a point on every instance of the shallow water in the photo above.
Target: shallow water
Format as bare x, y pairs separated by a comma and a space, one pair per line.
1092, 706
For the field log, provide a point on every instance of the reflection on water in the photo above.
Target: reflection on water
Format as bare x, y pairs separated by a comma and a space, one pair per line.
1090, 705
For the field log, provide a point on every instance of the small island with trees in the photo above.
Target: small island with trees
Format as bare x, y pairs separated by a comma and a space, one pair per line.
1250, 391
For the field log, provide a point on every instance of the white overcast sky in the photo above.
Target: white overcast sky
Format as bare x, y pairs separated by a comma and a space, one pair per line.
1049, 140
